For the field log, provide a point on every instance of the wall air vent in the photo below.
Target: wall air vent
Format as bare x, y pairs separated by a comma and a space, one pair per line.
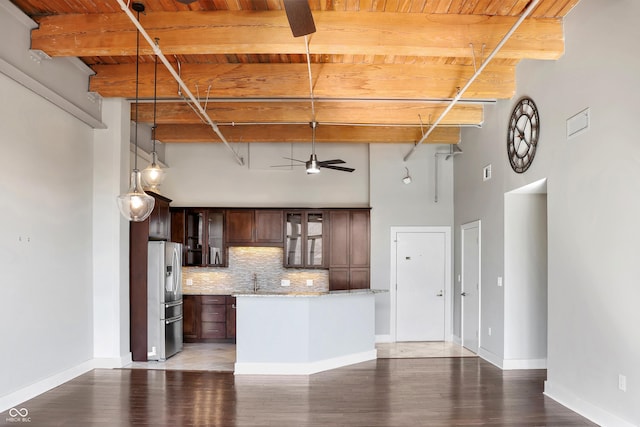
578, 123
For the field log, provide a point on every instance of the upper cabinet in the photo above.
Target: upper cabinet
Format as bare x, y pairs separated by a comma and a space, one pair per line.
349, 237
201, 231
254, 227
305, 239
160, 219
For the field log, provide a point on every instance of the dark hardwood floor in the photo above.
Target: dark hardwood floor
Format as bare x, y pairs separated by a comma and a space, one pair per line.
386, 392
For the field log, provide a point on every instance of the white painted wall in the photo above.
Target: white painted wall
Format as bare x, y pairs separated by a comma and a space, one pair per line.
525, 281
592, 210
394, 203
45, 239
207, 175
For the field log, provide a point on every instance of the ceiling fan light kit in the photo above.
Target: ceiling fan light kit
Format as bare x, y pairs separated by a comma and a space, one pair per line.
136, 205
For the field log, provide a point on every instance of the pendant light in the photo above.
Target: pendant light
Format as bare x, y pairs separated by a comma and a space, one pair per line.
136, 205
153, 175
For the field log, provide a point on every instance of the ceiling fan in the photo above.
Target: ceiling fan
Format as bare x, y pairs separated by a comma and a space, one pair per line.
298, 14
314, 165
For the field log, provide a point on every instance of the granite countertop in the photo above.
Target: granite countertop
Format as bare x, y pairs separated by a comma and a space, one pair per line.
308, 294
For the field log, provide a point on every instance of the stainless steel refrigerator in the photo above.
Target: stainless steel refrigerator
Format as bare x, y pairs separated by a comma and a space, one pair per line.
164, 296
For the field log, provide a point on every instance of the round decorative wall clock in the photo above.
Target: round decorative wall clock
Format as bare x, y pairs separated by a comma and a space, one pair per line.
522, 137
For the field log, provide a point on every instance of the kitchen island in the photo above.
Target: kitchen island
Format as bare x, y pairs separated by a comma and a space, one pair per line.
303, 333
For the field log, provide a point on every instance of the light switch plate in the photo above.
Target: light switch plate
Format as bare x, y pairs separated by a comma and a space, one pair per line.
285, 282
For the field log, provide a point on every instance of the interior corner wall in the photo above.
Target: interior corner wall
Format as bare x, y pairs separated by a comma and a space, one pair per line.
394, 203
593, 228
45, 239
525, 281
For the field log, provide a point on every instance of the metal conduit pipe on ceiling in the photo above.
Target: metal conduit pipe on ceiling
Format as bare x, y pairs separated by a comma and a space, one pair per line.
507, 36
181, 83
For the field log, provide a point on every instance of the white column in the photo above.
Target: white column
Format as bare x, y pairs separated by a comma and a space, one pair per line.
111, 237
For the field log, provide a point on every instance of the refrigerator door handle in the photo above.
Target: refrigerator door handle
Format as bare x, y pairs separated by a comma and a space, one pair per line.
173, 304
173, 320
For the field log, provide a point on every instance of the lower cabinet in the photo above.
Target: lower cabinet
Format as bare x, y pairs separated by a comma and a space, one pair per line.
209, 318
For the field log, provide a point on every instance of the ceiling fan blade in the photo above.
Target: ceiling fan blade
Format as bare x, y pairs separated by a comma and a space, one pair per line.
295, 160
331, 162
338, 168
300, 17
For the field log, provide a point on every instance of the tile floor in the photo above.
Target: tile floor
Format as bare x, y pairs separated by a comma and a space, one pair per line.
406, 350
222, 356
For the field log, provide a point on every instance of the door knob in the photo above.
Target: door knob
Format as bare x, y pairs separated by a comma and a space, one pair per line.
439, 294
464, 294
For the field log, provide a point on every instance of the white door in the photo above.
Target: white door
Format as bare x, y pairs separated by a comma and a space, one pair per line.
470, 289
420, 286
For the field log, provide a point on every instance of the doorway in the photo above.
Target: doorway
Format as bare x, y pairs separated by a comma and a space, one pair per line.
421, 283
471, 287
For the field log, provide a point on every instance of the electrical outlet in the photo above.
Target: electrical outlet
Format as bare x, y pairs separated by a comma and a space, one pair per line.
309, 282
285, 282
499, 281
189, 282
622, 382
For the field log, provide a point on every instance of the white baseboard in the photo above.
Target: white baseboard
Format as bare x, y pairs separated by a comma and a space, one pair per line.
490, 357
584, 408
29, 392
303, 368
456, 340
509, 364
383, 338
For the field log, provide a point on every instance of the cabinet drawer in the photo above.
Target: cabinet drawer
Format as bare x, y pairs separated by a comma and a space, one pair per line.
213, 330
213, 313
212, 299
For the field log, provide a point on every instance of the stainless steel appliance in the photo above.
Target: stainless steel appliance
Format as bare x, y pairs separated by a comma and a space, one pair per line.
164, 295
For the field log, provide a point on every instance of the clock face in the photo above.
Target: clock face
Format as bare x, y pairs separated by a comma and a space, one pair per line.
522, 138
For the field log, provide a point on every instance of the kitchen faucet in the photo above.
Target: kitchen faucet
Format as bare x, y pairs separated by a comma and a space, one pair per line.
255, 282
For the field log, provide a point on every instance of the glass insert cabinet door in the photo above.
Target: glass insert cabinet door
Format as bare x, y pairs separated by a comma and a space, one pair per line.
215, 238
304, 240
194, 238
294, 240
314, 240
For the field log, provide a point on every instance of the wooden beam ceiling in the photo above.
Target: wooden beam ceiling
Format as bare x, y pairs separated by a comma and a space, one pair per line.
268, 32
302, 133
381, 71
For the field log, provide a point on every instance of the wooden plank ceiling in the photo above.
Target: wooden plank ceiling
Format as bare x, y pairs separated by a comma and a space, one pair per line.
382, 70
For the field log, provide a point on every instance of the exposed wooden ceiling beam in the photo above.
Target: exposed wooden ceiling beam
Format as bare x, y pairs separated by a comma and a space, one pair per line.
408, 81
302, 133
267, 32
383, 113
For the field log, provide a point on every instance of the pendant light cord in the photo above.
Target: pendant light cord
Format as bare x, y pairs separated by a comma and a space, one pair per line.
135, 139
155, 95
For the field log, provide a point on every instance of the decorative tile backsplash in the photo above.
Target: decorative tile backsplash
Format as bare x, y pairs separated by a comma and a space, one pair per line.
244, 262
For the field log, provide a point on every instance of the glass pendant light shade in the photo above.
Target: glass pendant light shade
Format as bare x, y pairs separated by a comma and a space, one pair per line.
136, 205
153, 175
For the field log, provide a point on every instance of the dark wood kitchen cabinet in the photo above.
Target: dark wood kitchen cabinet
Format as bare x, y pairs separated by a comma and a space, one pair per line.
349, 240
305, 239
160, 219
201, 231
209, 318
254, 227
155, 227
189, 317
